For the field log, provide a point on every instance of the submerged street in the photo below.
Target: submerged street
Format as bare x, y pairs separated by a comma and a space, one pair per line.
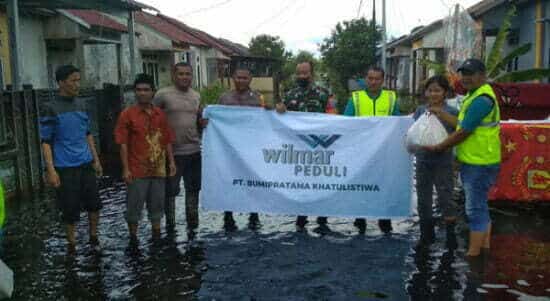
272, 263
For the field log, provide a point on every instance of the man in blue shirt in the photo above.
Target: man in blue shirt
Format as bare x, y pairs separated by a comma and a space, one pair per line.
70, 156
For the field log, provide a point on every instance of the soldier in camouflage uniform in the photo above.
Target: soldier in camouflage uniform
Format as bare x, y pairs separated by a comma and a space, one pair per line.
311, 98
306, 97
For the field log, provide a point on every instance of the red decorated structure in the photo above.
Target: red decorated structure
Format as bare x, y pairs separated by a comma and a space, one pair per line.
525, 169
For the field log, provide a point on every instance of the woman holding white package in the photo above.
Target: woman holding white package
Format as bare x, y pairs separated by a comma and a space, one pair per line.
436, 169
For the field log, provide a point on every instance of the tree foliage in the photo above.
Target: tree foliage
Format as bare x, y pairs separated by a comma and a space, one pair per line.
269, 46
289, 67
349, 51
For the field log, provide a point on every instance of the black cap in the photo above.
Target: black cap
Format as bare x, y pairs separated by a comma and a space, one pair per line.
472, 65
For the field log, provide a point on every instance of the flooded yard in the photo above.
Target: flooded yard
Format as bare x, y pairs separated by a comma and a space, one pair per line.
272, 263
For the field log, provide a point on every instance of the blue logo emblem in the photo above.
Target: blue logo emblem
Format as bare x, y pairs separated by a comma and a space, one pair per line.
323, 140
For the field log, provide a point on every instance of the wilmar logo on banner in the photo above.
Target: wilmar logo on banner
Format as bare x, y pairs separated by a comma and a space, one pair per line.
305, 164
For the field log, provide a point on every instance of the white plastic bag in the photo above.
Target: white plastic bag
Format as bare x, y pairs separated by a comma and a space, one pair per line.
6, 281
427, 130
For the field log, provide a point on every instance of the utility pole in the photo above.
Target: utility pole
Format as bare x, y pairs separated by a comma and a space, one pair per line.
14, 38
132, 44
384, 35
374, 14
452, 53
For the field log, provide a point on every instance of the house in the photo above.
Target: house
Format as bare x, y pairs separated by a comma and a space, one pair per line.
211, 63
427, 43
180, 43
91, 40
51, 32
162, 44
398, 63
530, 25
5, 68
36, 36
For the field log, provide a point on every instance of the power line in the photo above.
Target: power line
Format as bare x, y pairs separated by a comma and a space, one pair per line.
297, 9
274, 16
397, 14
213, 6
445, 4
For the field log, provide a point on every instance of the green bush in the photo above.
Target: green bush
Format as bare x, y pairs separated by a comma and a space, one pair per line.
407, 102
211, 94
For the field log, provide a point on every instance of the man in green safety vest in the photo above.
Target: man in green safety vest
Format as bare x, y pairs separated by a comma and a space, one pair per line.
373, 101
477, 141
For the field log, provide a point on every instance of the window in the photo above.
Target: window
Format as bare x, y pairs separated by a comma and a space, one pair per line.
186, 57
198, 76
151, 67
212, 71
512, 65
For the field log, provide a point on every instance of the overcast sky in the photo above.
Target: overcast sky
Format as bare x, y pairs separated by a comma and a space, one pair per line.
301, 24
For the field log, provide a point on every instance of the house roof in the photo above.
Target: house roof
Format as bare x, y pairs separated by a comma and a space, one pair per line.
203, 36
480, 8
238, 49
170, 30
84, 4
95, 18
404, 39
422, 31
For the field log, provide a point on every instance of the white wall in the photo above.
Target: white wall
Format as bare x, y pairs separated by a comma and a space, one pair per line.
199, 58
32, 51
100, 65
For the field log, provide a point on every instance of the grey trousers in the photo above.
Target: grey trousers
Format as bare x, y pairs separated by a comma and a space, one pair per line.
148, 191
440, 176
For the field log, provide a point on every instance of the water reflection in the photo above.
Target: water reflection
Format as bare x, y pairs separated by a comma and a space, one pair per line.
271, 263
439, 272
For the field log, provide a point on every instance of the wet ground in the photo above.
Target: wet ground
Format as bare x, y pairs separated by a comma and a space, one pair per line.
274, 262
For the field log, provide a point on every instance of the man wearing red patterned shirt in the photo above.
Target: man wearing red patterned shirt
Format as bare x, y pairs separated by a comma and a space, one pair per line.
145, 140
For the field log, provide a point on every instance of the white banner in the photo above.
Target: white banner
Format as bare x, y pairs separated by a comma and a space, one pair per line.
305, 164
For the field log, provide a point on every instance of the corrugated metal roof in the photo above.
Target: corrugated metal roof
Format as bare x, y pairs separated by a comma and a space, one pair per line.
484, 6
402, 40
96, 18
203, 36
84, 4
426, 29
168, 29
239, 49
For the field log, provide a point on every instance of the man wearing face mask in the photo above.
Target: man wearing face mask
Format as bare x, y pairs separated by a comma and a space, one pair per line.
306, 97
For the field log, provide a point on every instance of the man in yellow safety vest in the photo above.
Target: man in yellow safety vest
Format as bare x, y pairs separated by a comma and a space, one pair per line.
477, 141
373, 101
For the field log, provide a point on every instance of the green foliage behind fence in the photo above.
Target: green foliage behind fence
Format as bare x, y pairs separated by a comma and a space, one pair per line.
211, 94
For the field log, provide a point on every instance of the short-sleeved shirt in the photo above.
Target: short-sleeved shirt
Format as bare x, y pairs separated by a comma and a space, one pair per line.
249, 98
146, 133
310, 99
182, 109
65, 125
481, 106
431, 157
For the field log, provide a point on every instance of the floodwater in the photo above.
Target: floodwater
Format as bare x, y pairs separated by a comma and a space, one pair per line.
274, 262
